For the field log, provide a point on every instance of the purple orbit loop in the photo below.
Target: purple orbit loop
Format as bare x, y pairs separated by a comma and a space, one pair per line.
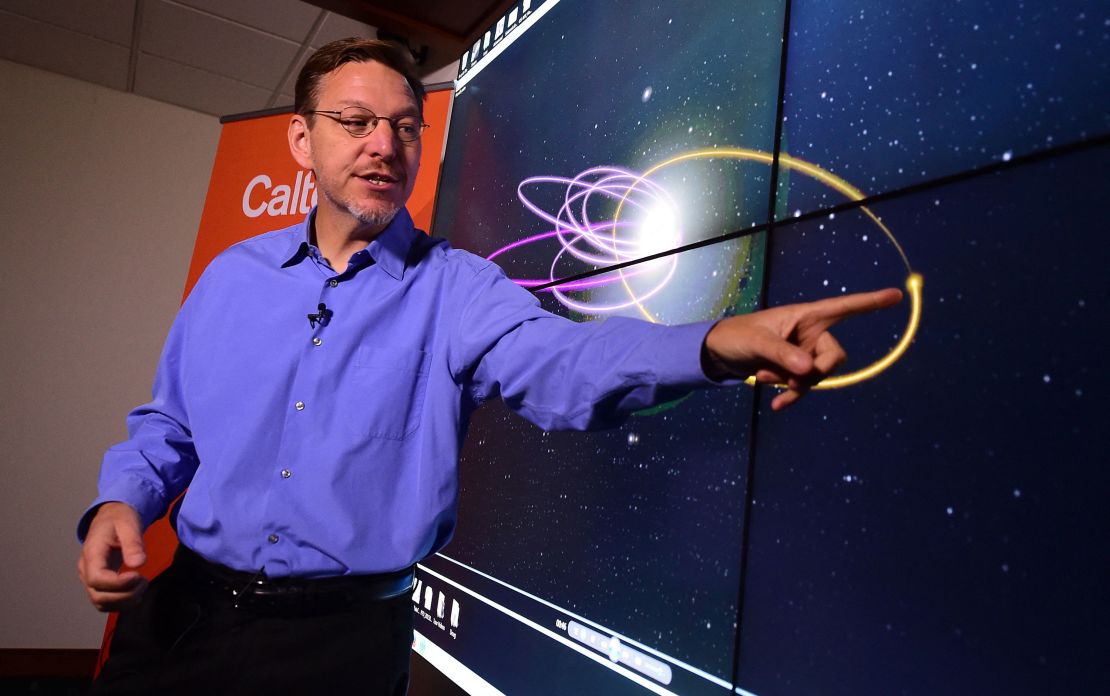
597, 242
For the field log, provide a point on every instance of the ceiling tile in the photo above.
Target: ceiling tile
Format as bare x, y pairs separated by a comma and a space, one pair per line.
195, 89
291, 19
109, 20
184, 35
340, 27
84, 57
289, 85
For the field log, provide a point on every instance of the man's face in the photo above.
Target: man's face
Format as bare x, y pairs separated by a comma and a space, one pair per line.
368, 178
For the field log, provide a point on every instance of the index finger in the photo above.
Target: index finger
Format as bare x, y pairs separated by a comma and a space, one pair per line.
834, 309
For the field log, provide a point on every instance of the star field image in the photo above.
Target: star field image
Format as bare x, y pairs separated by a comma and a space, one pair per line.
930, 527
941, 529
570, 96
608, 524
887, 94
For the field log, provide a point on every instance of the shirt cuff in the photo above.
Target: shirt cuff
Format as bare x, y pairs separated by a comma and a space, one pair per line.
129, 492
682, 347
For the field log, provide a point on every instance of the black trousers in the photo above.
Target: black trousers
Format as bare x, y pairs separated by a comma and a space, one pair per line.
183, 640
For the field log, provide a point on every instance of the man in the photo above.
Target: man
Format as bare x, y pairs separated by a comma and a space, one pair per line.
321, 455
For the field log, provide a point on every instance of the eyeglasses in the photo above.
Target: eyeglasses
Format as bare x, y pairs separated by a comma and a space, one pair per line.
360, 122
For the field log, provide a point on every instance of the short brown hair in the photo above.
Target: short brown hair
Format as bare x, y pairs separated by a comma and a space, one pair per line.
352, 50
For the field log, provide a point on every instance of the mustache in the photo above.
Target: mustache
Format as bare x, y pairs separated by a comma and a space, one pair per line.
383, 173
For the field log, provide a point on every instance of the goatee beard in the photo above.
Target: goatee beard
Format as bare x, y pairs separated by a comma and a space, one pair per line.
374, 218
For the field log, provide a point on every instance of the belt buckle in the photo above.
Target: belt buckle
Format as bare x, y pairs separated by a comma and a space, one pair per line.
247, 594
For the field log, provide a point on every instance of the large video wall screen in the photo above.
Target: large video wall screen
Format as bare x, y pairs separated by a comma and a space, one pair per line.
930, 523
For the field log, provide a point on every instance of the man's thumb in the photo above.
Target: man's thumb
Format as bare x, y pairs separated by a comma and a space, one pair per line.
131, 544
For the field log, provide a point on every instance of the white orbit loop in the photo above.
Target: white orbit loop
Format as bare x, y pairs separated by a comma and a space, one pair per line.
599, 243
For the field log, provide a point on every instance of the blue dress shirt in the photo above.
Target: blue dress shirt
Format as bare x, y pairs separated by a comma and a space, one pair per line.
331, 449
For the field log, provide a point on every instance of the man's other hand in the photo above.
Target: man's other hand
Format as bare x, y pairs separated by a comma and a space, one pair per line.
789, 345
113, 549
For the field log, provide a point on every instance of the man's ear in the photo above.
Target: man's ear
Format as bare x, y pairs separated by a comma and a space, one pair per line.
300, 143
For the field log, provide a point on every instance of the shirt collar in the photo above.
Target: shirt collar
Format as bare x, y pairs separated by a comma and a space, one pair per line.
298, 241
390, 249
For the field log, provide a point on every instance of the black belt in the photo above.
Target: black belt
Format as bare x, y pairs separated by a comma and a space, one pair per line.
289, 595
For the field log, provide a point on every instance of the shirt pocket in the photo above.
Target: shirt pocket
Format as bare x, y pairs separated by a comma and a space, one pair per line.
389, 388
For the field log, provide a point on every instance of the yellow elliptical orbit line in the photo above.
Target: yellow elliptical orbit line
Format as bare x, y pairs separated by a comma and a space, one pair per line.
914, 281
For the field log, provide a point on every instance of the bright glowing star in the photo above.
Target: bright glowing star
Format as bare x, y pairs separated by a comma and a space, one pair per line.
657, 232
603, 242
646, 95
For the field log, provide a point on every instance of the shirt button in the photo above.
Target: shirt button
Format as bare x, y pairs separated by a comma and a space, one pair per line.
333, 282
273, 538
286, 473
317, 341
299, 405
